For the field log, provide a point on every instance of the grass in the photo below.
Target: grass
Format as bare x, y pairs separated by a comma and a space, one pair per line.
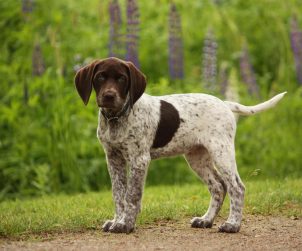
88, 211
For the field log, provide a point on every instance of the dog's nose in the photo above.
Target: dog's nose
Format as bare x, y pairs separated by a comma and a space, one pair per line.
109, 95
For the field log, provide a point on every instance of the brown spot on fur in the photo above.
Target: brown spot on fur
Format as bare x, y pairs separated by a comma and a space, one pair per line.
168, 124
104, 74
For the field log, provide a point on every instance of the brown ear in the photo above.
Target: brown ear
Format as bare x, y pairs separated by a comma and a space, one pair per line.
83, 80
137, 83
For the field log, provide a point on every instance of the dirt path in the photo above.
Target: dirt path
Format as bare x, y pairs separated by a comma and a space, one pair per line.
257, 233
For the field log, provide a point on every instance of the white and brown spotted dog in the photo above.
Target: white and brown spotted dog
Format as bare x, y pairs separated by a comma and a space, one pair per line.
135, 128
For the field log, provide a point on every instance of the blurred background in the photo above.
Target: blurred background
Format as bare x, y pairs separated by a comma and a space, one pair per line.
240, 50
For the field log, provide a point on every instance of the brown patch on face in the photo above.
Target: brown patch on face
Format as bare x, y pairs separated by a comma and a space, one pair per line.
111, 84
112, 79
168, 124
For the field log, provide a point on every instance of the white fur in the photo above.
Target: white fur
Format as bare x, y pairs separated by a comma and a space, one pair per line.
205, 137
250, 110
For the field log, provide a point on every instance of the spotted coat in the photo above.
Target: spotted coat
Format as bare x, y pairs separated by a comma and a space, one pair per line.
135, 128
204, 135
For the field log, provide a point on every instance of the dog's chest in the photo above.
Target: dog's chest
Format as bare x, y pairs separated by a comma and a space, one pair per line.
114, 134
128, 138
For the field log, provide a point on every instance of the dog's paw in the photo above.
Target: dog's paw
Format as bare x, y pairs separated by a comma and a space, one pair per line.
107, 225
229, 228
198, 222
120, 227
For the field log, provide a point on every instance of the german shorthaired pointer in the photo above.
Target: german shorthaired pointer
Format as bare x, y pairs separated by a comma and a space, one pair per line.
135, 127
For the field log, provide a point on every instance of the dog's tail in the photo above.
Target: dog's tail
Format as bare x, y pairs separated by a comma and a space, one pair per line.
250, 110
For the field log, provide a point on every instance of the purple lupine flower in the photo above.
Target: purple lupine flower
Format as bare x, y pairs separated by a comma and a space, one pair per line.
38, 66
231, 92
296, 44
27, 6
224, 80
175, 44
132, 32
115, 37
247, 73
217, 2
209, 62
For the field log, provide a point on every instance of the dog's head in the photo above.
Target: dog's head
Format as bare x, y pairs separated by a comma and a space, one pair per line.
112, 79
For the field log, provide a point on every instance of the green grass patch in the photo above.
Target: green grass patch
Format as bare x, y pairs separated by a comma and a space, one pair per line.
88, 211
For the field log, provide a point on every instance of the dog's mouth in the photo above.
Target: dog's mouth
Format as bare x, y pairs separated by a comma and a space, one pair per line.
108, 105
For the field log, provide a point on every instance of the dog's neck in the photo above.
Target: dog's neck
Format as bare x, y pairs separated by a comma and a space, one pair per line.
112, 116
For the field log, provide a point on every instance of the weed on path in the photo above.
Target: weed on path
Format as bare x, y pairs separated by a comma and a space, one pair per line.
257, 233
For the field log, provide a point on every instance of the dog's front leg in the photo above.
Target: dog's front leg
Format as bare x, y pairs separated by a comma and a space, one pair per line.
133, 197
118, 174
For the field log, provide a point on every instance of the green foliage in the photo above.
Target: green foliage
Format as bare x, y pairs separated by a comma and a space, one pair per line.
88, 211
271, 142
48, 138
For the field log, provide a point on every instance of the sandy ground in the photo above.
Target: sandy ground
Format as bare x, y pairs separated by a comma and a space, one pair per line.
257, 233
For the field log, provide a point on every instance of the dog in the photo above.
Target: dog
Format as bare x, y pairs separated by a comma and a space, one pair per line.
135, 128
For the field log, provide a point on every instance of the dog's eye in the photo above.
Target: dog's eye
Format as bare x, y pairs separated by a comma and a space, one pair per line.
101, 78
121, 80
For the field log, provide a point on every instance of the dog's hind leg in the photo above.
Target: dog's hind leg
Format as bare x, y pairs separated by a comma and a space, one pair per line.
201, 162
223, 155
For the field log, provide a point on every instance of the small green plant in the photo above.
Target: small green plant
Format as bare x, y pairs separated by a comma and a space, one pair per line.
89, 211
